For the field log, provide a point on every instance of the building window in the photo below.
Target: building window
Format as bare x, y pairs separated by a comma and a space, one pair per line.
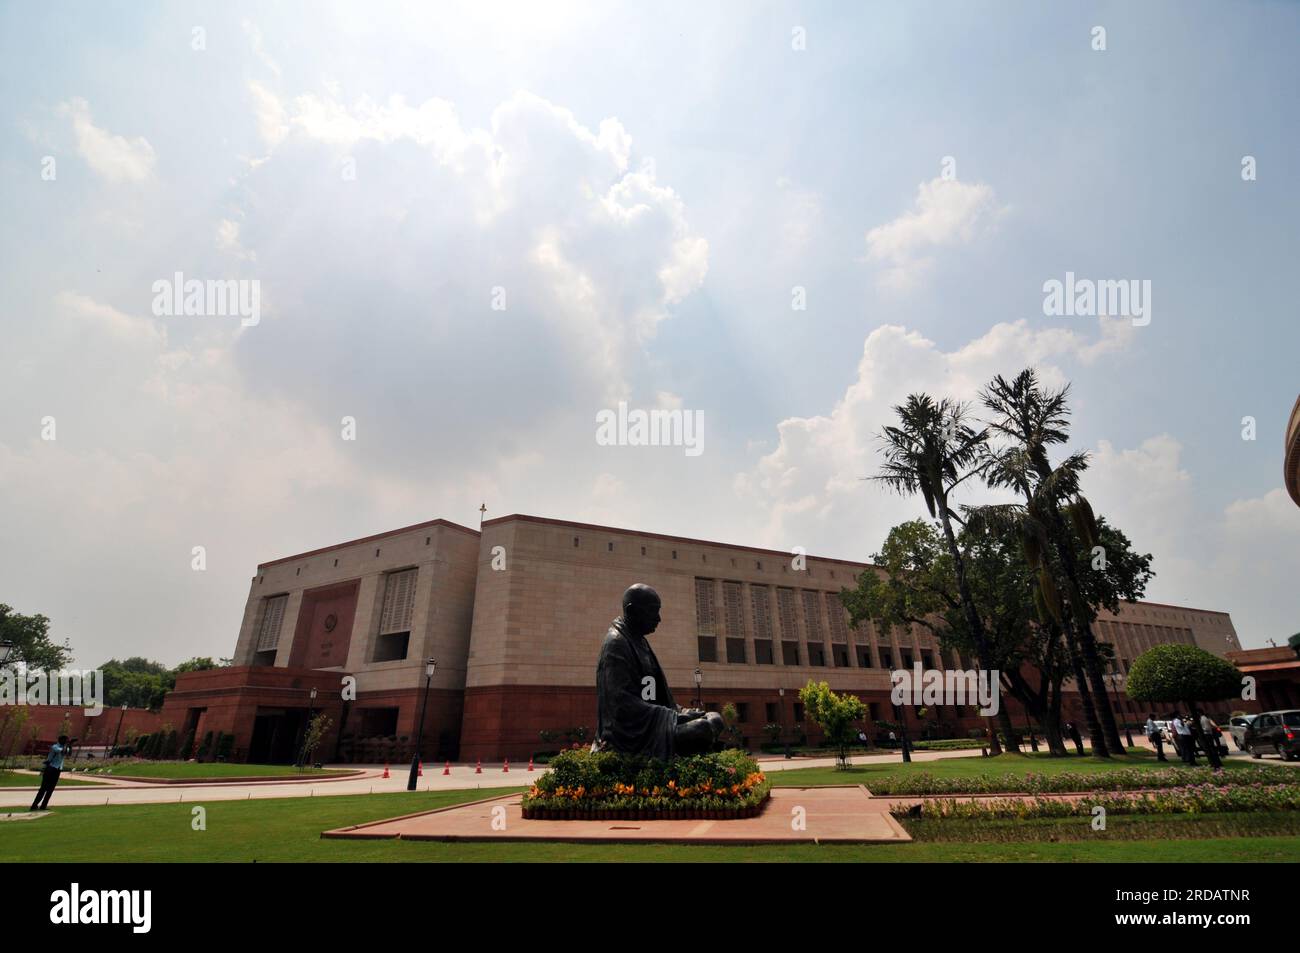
706, 613
839, 617
886, 659
816, 654
268, 632
926, 660
761, 600
772, 716
575, 542
742, 711
864, 656
763, 651
708, 648
611, 547
798, 711
841, 653
874, 709
734, 609
790, 653
812, 615
395, 619
736, 650
785, 610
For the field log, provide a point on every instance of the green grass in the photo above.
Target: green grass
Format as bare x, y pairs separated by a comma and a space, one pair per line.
1123, 827
195, 771
288, 829
1018, 764
12, 779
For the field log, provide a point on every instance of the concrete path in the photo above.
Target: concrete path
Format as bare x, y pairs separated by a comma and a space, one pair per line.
462, 777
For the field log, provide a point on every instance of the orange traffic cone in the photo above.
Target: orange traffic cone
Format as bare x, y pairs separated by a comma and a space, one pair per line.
530, 763
386, 774
479, 769
447, 769
419, 772
507, 767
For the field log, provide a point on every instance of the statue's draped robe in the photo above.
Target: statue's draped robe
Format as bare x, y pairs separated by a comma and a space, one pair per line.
626, 720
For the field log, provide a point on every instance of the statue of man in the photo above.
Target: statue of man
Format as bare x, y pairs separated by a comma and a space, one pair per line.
635, 712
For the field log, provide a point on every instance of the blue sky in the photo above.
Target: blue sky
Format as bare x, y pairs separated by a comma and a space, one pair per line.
648, 185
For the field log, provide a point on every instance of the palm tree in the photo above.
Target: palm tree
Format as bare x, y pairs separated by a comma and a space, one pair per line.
932, 451
1033, 419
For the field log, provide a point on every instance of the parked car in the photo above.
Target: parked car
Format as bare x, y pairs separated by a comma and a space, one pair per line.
1237, 726
1275, 732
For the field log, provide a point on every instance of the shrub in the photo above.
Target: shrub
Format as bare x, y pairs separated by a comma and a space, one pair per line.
1131, 779
586, 781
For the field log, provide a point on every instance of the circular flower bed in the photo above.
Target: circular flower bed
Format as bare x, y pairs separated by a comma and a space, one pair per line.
582, 785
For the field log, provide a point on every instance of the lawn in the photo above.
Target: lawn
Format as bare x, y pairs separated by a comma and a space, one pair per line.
210, 771
288, 829
13, 779
1018, 764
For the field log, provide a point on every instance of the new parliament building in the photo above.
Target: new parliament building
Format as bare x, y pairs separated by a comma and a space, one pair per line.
514, 614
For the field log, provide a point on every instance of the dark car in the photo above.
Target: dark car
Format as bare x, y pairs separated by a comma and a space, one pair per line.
1275, 732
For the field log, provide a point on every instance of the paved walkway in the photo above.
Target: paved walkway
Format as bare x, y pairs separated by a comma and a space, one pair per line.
462, 777
844, 815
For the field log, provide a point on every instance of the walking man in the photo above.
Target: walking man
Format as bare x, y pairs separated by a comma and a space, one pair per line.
50, 774
1186, 746
1153, 736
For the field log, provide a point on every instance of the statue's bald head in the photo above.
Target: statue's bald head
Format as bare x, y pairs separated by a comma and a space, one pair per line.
641, 608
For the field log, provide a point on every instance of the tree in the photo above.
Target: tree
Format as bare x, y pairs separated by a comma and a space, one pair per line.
932, 451
1294, 643
30, 635
1184, 674
1032, 419
316, 731
836, 715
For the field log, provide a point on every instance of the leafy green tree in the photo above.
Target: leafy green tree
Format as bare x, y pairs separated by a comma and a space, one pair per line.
30, 635
1184, 674
933, 451
836, 715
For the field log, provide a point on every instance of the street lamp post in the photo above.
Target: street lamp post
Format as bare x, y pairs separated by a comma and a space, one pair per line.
118, 732
6, 649
429, 667
699, 680
781, 693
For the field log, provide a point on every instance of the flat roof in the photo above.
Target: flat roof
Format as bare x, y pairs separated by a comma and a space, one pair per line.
520, 517
366, 539
547, 521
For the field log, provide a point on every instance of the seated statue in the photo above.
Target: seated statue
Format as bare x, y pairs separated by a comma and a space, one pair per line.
635, 711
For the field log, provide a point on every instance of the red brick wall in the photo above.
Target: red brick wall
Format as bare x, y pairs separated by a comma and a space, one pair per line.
89, 730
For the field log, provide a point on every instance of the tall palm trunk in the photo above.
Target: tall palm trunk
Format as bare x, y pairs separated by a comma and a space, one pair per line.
1008, 732
967, 602
1095, 735
1083, 632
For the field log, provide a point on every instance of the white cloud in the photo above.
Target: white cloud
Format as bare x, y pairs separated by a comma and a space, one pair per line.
94, 317
946, 212
114, 158
228, 240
